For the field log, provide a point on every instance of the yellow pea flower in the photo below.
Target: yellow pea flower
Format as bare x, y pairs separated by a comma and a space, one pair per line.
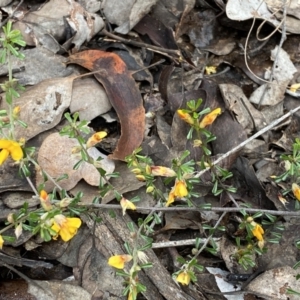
210, 118
186, 117
65, 227
294, 87
126, 204
210, 70
296, 190
183, 278
258, 231
171, 198
1, 242
45, 200
95, 139
162, 171
180, 189
11, 148
118, 261
16, 111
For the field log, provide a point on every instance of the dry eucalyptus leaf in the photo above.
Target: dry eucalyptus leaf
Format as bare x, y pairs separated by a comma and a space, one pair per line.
272, 113
17, 199
274, 283
48, 19
89, 99
55, 157
292, 7
227, 248
90, 5
241, 10
127, 13
48, 26
85, 24
237, 102
291, 21
42, 106
5, 2
182, 220
284, 69
270, 93
221, 46
98, 275
39, 64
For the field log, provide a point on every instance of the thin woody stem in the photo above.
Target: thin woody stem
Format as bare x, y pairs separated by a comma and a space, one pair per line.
186, 208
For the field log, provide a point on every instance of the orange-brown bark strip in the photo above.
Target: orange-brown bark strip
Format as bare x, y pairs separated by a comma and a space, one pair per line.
122, 93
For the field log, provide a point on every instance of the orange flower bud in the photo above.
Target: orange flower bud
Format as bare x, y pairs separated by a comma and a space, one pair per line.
186, 117
95, 139
45, 200
210, 118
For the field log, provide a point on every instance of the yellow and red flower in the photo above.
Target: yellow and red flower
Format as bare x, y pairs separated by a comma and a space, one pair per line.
11, 148
118, 261
258, 231
210, 117
185, 116
65, 227
179, 190
126, 204
95, 139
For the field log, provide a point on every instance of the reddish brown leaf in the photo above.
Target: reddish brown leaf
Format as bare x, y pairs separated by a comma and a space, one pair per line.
122, 93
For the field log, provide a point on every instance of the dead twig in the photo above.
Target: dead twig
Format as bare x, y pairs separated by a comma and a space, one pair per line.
163, 51
241, 145
187, 242
186, 208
